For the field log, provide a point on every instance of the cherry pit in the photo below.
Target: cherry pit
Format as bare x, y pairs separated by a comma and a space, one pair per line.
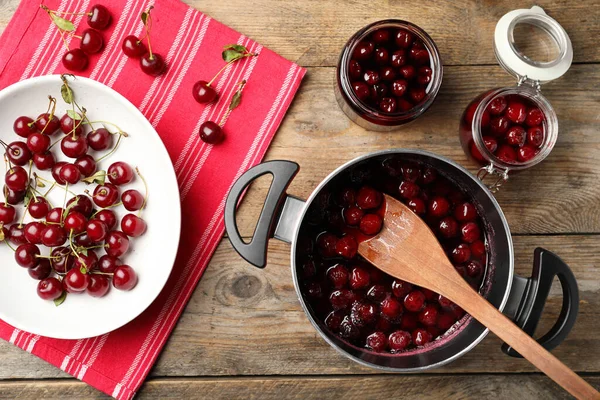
60, 244
359, 303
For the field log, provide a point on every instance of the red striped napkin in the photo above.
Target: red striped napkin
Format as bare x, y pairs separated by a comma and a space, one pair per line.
117, 363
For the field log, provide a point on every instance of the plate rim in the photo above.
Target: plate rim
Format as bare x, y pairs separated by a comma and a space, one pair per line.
170, 170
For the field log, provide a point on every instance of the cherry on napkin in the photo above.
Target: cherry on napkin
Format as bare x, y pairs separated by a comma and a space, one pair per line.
191, 42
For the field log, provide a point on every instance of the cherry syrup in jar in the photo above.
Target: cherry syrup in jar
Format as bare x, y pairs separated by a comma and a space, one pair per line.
361, 304
389, 73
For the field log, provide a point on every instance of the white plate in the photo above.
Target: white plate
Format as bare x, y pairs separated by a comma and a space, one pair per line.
151, 255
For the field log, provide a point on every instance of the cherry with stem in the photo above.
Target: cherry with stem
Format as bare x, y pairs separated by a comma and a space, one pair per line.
211, 132
151, 63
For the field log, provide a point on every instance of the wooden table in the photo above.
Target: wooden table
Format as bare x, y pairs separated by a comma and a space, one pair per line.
244, 334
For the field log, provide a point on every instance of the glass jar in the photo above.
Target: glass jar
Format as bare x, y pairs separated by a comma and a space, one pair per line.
405, 87
510, 129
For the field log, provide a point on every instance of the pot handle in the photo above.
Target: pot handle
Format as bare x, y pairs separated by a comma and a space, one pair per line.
529, 295
255, 252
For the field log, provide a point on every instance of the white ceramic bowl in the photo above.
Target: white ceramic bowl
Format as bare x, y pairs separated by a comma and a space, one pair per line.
151, 255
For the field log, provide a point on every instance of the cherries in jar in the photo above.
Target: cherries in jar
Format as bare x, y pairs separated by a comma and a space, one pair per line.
389, 73
514, 128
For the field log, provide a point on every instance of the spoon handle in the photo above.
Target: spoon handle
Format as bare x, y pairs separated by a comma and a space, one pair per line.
530, 349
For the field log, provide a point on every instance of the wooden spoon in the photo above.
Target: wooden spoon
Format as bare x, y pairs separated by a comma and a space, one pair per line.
407, 249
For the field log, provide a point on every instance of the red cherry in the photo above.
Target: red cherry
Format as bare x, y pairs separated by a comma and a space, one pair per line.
352, 215
99, 139
92, 41
371, 224
98, 285
38, 208
16, 179
105, 195
124, 278
398, 58
96, 230
203, 92
478, 249
40, 271
359, 278
535, 136
421, 337
465, 212
535, 117
75, 221
74, 146
47, 123
18, 153
363, 50
391, 309
381, 36
439, 207
448, 227
507, 154
403, 38
38, 143
133, 225
83, 204
346, 247
387, 74
117, 244
75, 281
497, 106
53, 236
120, 173
361, 90
327, 243
133, 47
44, 161
499, 125
62, 259
333, 320
348, 330
470, 232
86, 164
132, 200
526, 153
99, 17
50, 289
55, 216
7, 214
401, 288
516, 112
461, 253
108, 217
68, 124
382, 56
153, 65
407, 72
388, 104
417, 206
82, 240
354, 69
376, 341
363, 314
399, 340
337, 276
399, 87
211, 133
24, 126
474, 269
429, 315
75, 60
16, 234
445, 320
13, 197
26, 255
424, 74
33, 232
414, 301
368, 198
88, 261
70, 174
108, 264
516, 136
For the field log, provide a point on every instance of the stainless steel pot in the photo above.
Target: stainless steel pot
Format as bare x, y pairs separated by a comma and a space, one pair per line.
522, 299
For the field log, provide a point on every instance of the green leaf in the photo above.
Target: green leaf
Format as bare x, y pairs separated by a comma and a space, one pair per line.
63, 24
235, 101
82, 250
231, 55
99, 178
28, 196
39, 182
237, 47
67, 94
74, 115
69, 207
61, 299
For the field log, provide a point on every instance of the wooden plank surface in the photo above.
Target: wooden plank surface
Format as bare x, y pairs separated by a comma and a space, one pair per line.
501, 387
246, 321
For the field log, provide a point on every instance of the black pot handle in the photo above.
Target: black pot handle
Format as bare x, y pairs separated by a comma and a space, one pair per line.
255, 252
546, 266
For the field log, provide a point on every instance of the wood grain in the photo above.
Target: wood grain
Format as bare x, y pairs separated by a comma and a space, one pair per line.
501, 387
246, 321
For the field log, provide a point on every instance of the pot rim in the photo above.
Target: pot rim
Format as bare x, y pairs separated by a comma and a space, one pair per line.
309, 201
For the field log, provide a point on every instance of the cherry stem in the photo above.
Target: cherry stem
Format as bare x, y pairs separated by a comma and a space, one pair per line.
49, 11
62, 36
119, 130
65, 188
9, 246
104, 157
227, 65
230, 108
65, 205
73, 248
102, 273
51, 106
148, 26
146, 189
47, 257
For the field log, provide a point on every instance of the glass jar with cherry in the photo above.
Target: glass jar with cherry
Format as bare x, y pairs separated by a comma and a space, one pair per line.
514, 128
389, 73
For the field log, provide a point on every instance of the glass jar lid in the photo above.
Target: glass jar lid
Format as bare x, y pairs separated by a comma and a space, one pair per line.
532, 46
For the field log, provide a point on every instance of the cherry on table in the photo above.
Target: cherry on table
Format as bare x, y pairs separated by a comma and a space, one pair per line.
75, 60
74, 146
211, 133
105, 195
133, 47
16, 179
132, 200
120, 173
24, 126
44, 161
53, 236
108, 217
47, 123
38, 207
99, 139
75, 281
75, 221
62, 259
33, 232
108, 264
86, 165
99, 17
27, 254
7, 214
133, 226
96, 230
203, 92
54, 216
18, 153
153, 64
83, 204
124, 278
68, 124
92, 41
98, 285
41, 271
16, 234
38, 143
50, 289
117, 244
69, 173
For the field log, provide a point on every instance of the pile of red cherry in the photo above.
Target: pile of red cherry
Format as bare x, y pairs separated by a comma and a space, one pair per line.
360, 303
151, 63
83, 225
92, 41
390, 70
512, 127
